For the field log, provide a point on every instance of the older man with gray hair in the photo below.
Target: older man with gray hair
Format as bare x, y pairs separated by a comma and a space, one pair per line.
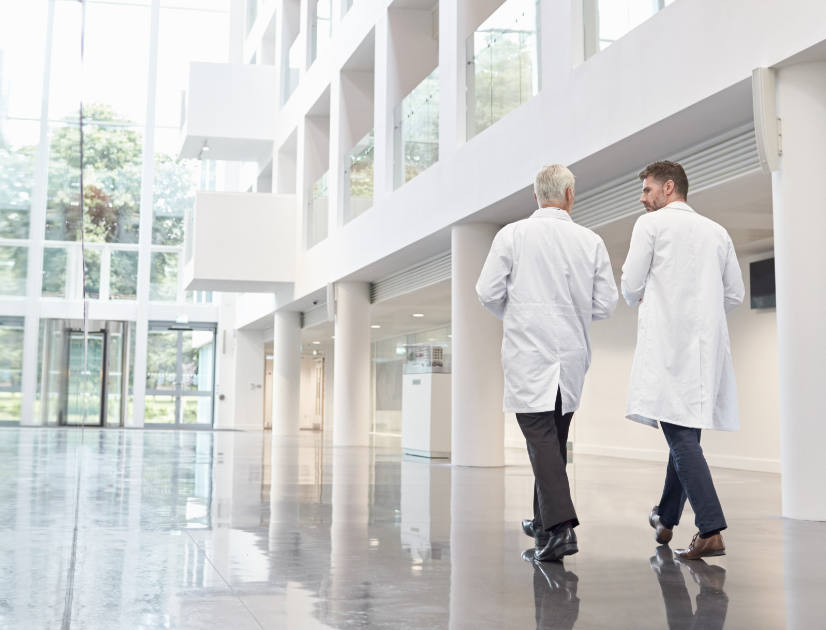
547, 278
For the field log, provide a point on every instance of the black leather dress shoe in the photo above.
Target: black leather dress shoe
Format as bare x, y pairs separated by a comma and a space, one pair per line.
561, 544
663, 534
540, 539
527, 527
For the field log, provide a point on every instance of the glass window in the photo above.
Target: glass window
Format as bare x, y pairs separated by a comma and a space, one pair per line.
65, 72
185, 36
174, 187
163, 278
317, 214
322, 27
503, 68
63, 194
116, 58
388, 358
13, 261
123, 278
111, 180
22, 48
11, 367
417, 130
358, 185
615, 18
18, 146
55, 261
291, 69
252, 14
91, 273
180, 375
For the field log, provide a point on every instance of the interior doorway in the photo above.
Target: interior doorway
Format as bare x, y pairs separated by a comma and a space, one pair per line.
180, 374
268, 385
83, 375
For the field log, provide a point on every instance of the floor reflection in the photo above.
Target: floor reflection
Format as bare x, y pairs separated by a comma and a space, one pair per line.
555, 598
230, 529
712, 601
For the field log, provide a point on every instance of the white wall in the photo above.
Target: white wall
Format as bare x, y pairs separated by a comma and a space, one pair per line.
603, 105
601, 428
248, 405
307, 395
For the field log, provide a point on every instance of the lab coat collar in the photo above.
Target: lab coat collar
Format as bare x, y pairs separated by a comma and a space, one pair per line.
679, 205
551, 213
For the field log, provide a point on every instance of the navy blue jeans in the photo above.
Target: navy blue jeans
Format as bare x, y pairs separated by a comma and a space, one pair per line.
688, 476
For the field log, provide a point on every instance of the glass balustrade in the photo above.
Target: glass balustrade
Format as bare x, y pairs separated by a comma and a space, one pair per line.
503, 64
417, 130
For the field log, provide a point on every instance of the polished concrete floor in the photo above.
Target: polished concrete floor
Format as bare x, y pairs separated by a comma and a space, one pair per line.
107, 529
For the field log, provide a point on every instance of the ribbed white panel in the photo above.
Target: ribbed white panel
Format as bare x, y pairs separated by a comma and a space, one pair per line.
428, 273
315, 316
709, 164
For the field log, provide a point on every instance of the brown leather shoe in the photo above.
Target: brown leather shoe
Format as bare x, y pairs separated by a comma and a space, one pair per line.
702, 548
663, 533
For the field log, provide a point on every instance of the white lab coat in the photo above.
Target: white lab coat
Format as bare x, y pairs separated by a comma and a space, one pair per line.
547, 278
682, 271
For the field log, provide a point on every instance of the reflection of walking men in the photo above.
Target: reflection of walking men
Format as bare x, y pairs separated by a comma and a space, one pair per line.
682, 271
712, 601
548, 278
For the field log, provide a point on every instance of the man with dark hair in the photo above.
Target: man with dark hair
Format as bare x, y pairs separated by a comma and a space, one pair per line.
683, 273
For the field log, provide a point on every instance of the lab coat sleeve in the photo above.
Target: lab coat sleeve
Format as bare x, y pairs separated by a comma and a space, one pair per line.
733, 288
605, 289
638, 262
492, 286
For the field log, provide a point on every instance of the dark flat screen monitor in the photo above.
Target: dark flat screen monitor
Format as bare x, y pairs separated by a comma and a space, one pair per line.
761, 274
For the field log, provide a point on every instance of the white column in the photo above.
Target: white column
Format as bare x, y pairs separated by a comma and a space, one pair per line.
286, 373
799, 226
37, 234
145, 234
452, 78
383, 132
478, 427
477, 526
351, 367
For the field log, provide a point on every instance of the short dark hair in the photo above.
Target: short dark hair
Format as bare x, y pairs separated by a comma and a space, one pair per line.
665, 170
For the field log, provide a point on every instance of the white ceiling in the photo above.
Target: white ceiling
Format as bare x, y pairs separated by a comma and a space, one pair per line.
395, 316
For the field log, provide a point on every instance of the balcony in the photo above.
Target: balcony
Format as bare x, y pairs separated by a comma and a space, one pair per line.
240, 242
229, 113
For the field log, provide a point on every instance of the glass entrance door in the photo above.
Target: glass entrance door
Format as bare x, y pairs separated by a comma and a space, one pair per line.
180, 374
85, 386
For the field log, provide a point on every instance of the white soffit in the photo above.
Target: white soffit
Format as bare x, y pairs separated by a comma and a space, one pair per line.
430, 272
315, 316
709, 164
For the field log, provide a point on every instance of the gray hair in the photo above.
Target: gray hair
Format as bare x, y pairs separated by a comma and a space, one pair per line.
552, 182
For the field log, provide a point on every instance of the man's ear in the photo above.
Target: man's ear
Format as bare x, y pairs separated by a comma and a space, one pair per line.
669, 187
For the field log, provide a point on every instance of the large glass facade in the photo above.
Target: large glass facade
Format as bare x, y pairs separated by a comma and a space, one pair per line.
73, 181
503, 64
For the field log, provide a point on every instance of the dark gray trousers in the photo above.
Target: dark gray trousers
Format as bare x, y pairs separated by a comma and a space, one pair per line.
546, 435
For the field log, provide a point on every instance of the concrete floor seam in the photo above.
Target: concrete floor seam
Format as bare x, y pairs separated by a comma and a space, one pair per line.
70, 578
225, 580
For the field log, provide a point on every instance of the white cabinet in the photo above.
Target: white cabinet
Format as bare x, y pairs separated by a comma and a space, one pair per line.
426, 414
